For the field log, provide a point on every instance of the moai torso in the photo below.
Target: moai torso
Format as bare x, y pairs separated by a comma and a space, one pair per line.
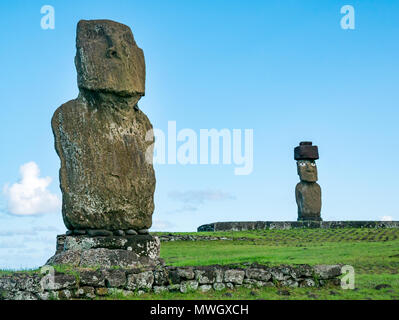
307, 191
308, 198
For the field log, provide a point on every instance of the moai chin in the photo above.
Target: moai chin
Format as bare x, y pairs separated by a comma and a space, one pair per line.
106, 182
308, 191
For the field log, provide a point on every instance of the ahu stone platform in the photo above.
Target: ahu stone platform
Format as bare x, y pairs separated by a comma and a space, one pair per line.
285, 225
83, 283
112, 251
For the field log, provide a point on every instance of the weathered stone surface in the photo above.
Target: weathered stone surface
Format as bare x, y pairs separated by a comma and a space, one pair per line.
24, 295
277, 274
65, 294
17, 295
100, 137
251, 283
286, 225
71, 258
60, 243
230, 285
8, 283
108, 59
92, 278
29, 283
258, 274
289, 283
205, 276
301, 271
327, 271
160, 289
112, 281
176, 275
108, 258
62, 281
205, 287
79, 232
125, 252
218, 286
119, 233
174, 287
101, 257
161, 277
188, 286
234, 276
308, 197
47, 295
186, 273
307, 283
209, 274
173, 276
143, 280
99, 232
86, 292
115, 278
106, 183
143, 245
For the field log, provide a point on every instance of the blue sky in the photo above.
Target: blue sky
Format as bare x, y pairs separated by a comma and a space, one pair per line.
285, 69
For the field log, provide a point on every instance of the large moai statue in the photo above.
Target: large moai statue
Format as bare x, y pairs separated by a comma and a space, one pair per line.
308, 191
106, 181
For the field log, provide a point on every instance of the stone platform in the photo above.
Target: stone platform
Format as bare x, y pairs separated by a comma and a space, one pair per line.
112, 251
285, 225
84, 283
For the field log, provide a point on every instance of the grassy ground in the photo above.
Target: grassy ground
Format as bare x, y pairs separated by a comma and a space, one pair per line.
365, 290
374, 253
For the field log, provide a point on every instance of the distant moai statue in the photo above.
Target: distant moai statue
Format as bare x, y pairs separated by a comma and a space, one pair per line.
308, 191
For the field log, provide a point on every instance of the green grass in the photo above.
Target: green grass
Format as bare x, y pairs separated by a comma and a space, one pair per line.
304, 235
370, 256
374, 253
373, 250
365, 290
9, 272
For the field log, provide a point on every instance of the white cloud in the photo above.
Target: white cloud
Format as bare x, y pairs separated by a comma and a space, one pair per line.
30, 196
386, 218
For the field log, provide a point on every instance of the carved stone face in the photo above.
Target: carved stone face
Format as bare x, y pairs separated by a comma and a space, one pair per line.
108, 59
307, 170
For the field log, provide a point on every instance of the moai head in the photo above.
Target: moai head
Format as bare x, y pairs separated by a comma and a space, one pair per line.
306, 154
108, 59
